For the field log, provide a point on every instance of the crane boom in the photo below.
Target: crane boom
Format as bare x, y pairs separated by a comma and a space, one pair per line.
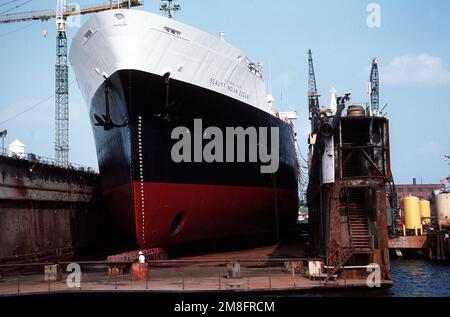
314, 107
45, 15
313, 96
374, 87
312, 87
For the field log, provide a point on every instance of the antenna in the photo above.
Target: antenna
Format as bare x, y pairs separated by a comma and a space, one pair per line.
270, 99
270, 78
169, 8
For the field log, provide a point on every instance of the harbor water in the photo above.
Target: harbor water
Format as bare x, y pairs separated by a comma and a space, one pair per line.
412, 278
420, 278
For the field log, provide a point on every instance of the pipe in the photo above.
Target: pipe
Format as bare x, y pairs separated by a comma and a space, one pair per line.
355, 267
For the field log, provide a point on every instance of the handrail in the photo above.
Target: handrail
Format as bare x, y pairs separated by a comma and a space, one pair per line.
168, 262
350, 234
338, 263
31, 157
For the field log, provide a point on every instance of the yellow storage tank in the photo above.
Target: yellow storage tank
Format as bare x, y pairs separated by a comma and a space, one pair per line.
443, 210
412, 214
425, 211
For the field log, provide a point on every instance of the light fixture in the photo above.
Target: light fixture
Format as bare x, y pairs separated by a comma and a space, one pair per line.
167, 6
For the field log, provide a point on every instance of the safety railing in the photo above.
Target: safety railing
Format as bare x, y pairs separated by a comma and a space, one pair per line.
165, 275
31, 157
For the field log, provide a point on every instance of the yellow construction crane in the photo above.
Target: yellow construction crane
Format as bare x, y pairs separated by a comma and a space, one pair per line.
62, 12
45, 15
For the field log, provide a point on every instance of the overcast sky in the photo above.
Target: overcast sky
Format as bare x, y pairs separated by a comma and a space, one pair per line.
412, 43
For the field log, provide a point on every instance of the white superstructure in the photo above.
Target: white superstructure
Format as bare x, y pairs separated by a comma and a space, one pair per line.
136, 40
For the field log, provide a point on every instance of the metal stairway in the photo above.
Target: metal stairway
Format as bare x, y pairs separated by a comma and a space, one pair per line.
337, 261
360, 238
357, 219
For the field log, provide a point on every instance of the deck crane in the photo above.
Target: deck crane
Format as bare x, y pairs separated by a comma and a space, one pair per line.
374, 89
313, 96
62, 69
314, 107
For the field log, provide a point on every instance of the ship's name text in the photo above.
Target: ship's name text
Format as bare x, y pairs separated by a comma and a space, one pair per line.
230, 87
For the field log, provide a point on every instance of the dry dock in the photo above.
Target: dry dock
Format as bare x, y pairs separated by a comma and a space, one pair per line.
260, 272
48, 213
59, 208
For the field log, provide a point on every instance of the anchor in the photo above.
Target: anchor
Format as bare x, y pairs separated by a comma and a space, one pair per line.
169, 107
105, 120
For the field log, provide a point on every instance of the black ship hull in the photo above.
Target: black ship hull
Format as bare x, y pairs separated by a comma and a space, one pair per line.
158, 202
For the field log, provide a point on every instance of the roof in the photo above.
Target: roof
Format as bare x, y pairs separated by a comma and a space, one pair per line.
16, 143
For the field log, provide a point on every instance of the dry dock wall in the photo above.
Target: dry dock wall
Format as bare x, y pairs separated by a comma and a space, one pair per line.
46, 210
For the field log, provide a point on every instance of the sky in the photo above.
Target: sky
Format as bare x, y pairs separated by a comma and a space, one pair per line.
409, 37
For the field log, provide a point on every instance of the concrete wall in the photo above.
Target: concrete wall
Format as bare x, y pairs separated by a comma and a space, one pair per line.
33, 229
46, 210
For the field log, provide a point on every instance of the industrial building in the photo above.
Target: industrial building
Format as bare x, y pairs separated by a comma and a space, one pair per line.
422, 191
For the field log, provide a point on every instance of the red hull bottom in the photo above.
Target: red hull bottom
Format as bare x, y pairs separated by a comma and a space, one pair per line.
173, 214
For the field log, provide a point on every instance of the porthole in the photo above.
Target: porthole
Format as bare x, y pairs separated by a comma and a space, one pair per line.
119, 18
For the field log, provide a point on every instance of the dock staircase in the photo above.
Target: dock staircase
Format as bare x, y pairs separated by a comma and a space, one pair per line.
336, 262
357, 218
360, 237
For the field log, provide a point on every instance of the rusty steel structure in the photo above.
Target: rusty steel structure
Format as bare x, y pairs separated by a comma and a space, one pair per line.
438, 246
348, 215
347, 191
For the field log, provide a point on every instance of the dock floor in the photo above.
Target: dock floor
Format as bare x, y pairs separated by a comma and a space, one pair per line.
197, 274
178, 280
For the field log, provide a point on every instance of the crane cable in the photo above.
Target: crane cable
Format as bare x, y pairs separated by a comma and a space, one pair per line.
9, 2
16, 7
19, 29
27, 110
31, 107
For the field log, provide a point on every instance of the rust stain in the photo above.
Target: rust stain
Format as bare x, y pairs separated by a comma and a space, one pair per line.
20, 187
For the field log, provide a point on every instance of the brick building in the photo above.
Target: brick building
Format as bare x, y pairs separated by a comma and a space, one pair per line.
422, 191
